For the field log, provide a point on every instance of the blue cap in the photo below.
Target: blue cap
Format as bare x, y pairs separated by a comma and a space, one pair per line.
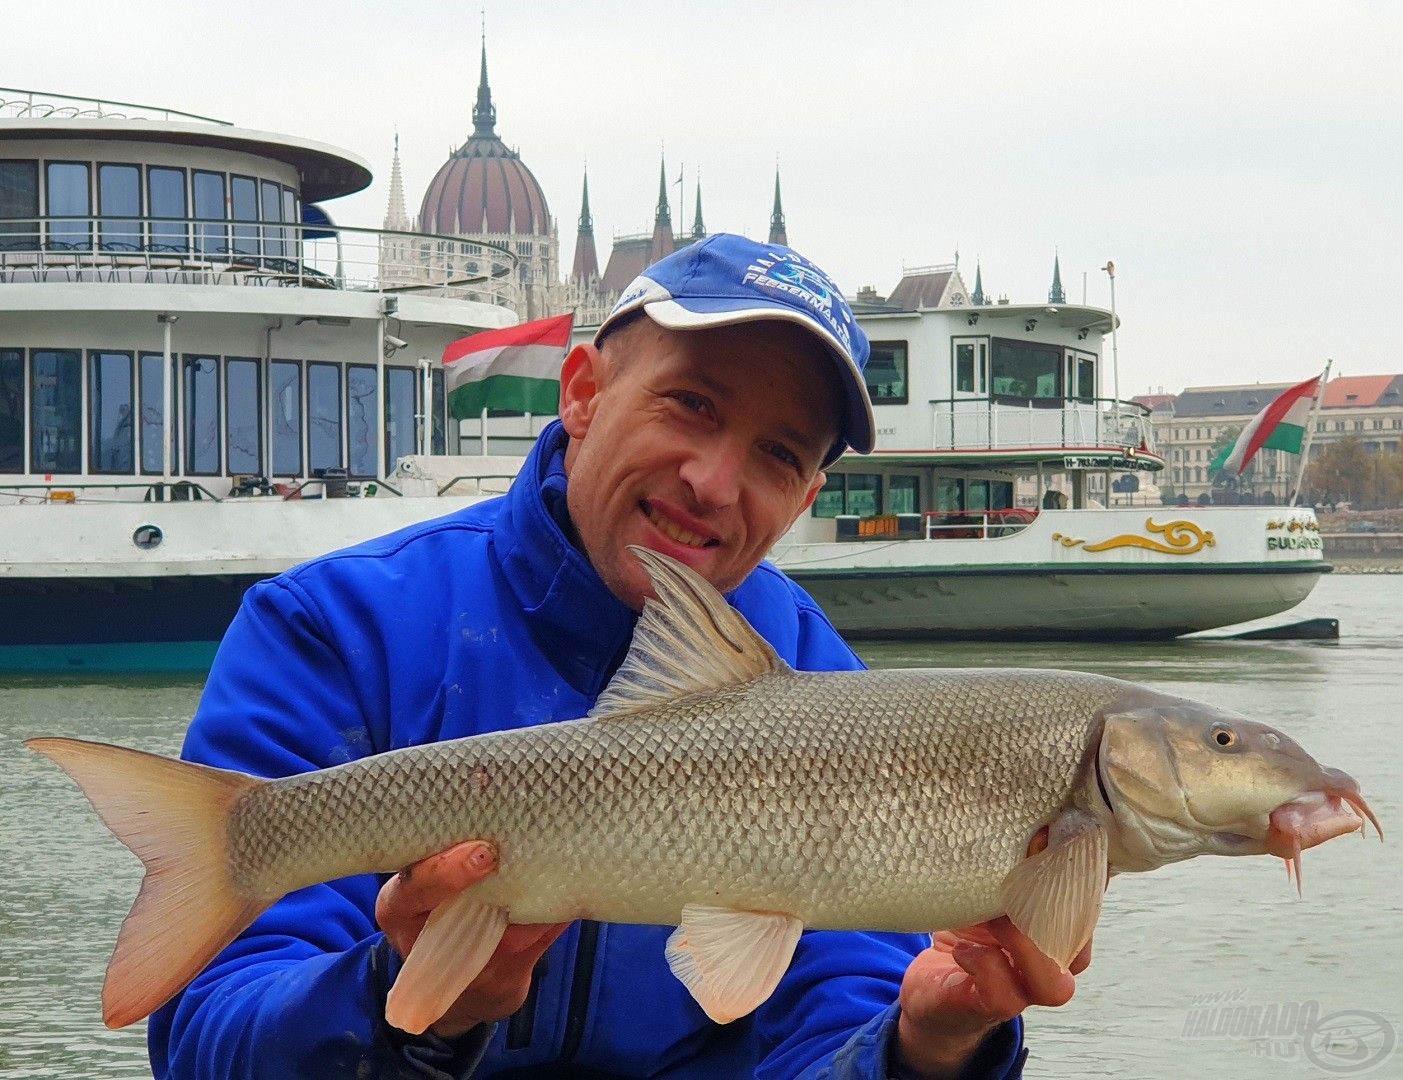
727, 279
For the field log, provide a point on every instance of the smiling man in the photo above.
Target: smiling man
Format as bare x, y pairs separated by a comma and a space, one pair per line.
698, 424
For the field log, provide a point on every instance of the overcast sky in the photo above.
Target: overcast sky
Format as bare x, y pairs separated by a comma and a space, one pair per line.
1240, 161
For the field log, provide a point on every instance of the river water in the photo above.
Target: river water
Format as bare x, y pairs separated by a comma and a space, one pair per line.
1194, 963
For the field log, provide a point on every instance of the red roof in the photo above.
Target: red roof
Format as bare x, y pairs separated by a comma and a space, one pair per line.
484, 188
626, 261
1154, 401
917, 291
1356, 391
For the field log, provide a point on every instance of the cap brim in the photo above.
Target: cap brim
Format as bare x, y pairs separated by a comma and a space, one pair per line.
859, 425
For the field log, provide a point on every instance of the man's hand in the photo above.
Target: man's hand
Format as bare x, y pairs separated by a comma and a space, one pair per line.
956, 992
404, 905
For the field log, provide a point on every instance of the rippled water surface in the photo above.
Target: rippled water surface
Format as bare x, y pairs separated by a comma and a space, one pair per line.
1183, 955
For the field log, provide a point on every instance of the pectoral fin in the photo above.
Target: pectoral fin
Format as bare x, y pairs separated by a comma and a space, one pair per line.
451, 952
1054, 897
730, 960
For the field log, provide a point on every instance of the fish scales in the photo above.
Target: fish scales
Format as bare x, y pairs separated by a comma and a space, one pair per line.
848, 800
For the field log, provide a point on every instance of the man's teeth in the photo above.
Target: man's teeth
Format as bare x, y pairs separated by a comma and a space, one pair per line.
673, 532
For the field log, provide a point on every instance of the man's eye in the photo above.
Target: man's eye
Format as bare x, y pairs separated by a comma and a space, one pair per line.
691, 402
785, 455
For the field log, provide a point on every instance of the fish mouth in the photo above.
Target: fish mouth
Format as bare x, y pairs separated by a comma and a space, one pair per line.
1313, 818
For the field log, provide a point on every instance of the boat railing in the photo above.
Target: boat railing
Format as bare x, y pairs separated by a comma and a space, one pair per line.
83, 491
44, 105
977, 424
934, 525
199, 251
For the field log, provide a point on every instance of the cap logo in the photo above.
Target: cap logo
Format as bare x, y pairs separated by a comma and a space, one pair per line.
795, 276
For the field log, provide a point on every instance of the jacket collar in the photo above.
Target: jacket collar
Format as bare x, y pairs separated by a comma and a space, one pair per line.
576, 622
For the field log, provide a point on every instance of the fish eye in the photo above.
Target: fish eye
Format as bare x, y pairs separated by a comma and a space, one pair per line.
1223, 735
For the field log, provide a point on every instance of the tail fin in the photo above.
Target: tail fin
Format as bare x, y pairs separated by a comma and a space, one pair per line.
174, 816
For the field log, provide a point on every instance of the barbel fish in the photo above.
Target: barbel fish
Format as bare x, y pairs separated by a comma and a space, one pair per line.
714, 788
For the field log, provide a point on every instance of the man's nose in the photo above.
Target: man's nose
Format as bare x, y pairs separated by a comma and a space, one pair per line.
713, 472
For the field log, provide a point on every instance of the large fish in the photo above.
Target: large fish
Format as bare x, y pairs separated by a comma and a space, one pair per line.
716, 789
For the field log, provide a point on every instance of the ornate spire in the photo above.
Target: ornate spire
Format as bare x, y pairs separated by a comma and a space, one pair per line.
664, 215
586, 258
396, 216
663, 241
698, 229
484, 112
1056, 295
777, 232
978, 296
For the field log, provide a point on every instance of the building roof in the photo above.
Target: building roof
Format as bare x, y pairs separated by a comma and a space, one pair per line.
626, 261
1154, 402
1360, 391
920, 289
1209, 401
484, 187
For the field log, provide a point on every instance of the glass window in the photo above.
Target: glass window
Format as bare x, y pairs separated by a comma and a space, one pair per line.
864, 494
67, 185
401, 428
947, 494
886, 373
964, 368
905, 494
243, 385
19, 198
362, 428
119, 203
1026, 370
11, 410
285, 402
201, 415
1000, 494
154, 397
165, 195
977, 492
210, 206
243, 202
323, 416
270, 197
111, 434
829, 501
440, 412
55, 411
1081, 375
290, 215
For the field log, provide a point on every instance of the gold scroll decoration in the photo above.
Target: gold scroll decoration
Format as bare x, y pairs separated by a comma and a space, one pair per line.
1180, 538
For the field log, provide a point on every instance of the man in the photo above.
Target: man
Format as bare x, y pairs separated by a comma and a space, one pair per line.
698, 424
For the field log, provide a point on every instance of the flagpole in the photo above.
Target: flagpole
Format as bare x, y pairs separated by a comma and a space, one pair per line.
1310, 433
482, 428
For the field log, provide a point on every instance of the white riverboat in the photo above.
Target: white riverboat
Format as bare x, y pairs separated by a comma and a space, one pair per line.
987, 510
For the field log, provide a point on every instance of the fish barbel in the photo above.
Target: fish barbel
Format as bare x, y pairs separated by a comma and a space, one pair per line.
714, 788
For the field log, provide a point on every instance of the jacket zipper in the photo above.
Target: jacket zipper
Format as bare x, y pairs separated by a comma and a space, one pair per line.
585, 950
522, 1025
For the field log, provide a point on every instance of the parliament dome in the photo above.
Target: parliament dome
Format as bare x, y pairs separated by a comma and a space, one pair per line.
484, 188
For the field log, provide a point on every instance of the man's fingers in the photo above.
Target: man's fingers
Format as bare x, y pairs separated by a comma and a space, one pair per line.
530, 941
1046, 983
1001, 992
428, 883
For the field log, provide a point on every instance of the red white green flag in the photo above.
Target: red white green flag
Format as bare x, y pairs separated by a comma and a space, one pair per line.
1280, 426
516, 368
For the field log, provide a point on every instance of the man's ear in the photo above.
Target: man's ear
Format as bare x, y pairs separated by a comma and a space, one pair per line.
812, 494
581, 377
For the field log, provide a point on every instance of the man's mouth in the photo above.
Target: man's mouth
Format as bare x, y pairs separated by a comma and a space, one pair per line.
676, 532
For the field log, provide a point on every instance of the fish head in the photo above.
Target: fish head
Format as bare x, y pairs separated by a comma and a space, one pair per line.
1178, 779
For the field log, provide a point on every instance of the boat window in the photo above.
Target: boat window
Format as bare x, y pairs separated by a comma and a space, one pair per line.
165, 194
243, 386
111, 434
290, 215
270, 198
829, 501
153, 413
977, 494
55, 411
1026, 370
285, 401
1000, 494
210, 206
362, 427
904, 494
947, 494
119, 203
440, 411
201, 374
323, 416
11, 410
243, 201
67, 186
19, 198
401, 432
886, 373
864, 495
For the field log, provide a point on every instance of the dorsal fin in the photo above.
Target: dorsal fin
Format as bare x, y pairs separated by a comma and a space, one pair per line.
688, 641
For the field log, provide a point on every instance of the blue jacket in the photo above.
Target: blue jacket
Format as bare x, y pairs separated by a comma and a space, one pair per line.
485, 620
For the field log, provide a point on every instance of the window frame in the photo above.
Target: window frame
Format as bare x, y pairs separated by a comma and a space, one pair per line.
153, 218
337, 367
187, 459
216, 225
16, 352
170, 429
50, 218
375, 420
301, 413
1058, 370
102, 216
26, 241
904, 346
92, 420
33, 428
258, 395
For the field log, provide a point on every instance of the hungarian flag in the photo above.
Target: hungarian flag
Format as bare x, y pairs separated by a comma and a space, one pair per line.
516, 368
1280, 426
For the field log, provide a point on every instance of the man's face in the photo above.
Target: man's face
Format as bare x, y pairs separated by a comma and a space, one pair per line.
704, 445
